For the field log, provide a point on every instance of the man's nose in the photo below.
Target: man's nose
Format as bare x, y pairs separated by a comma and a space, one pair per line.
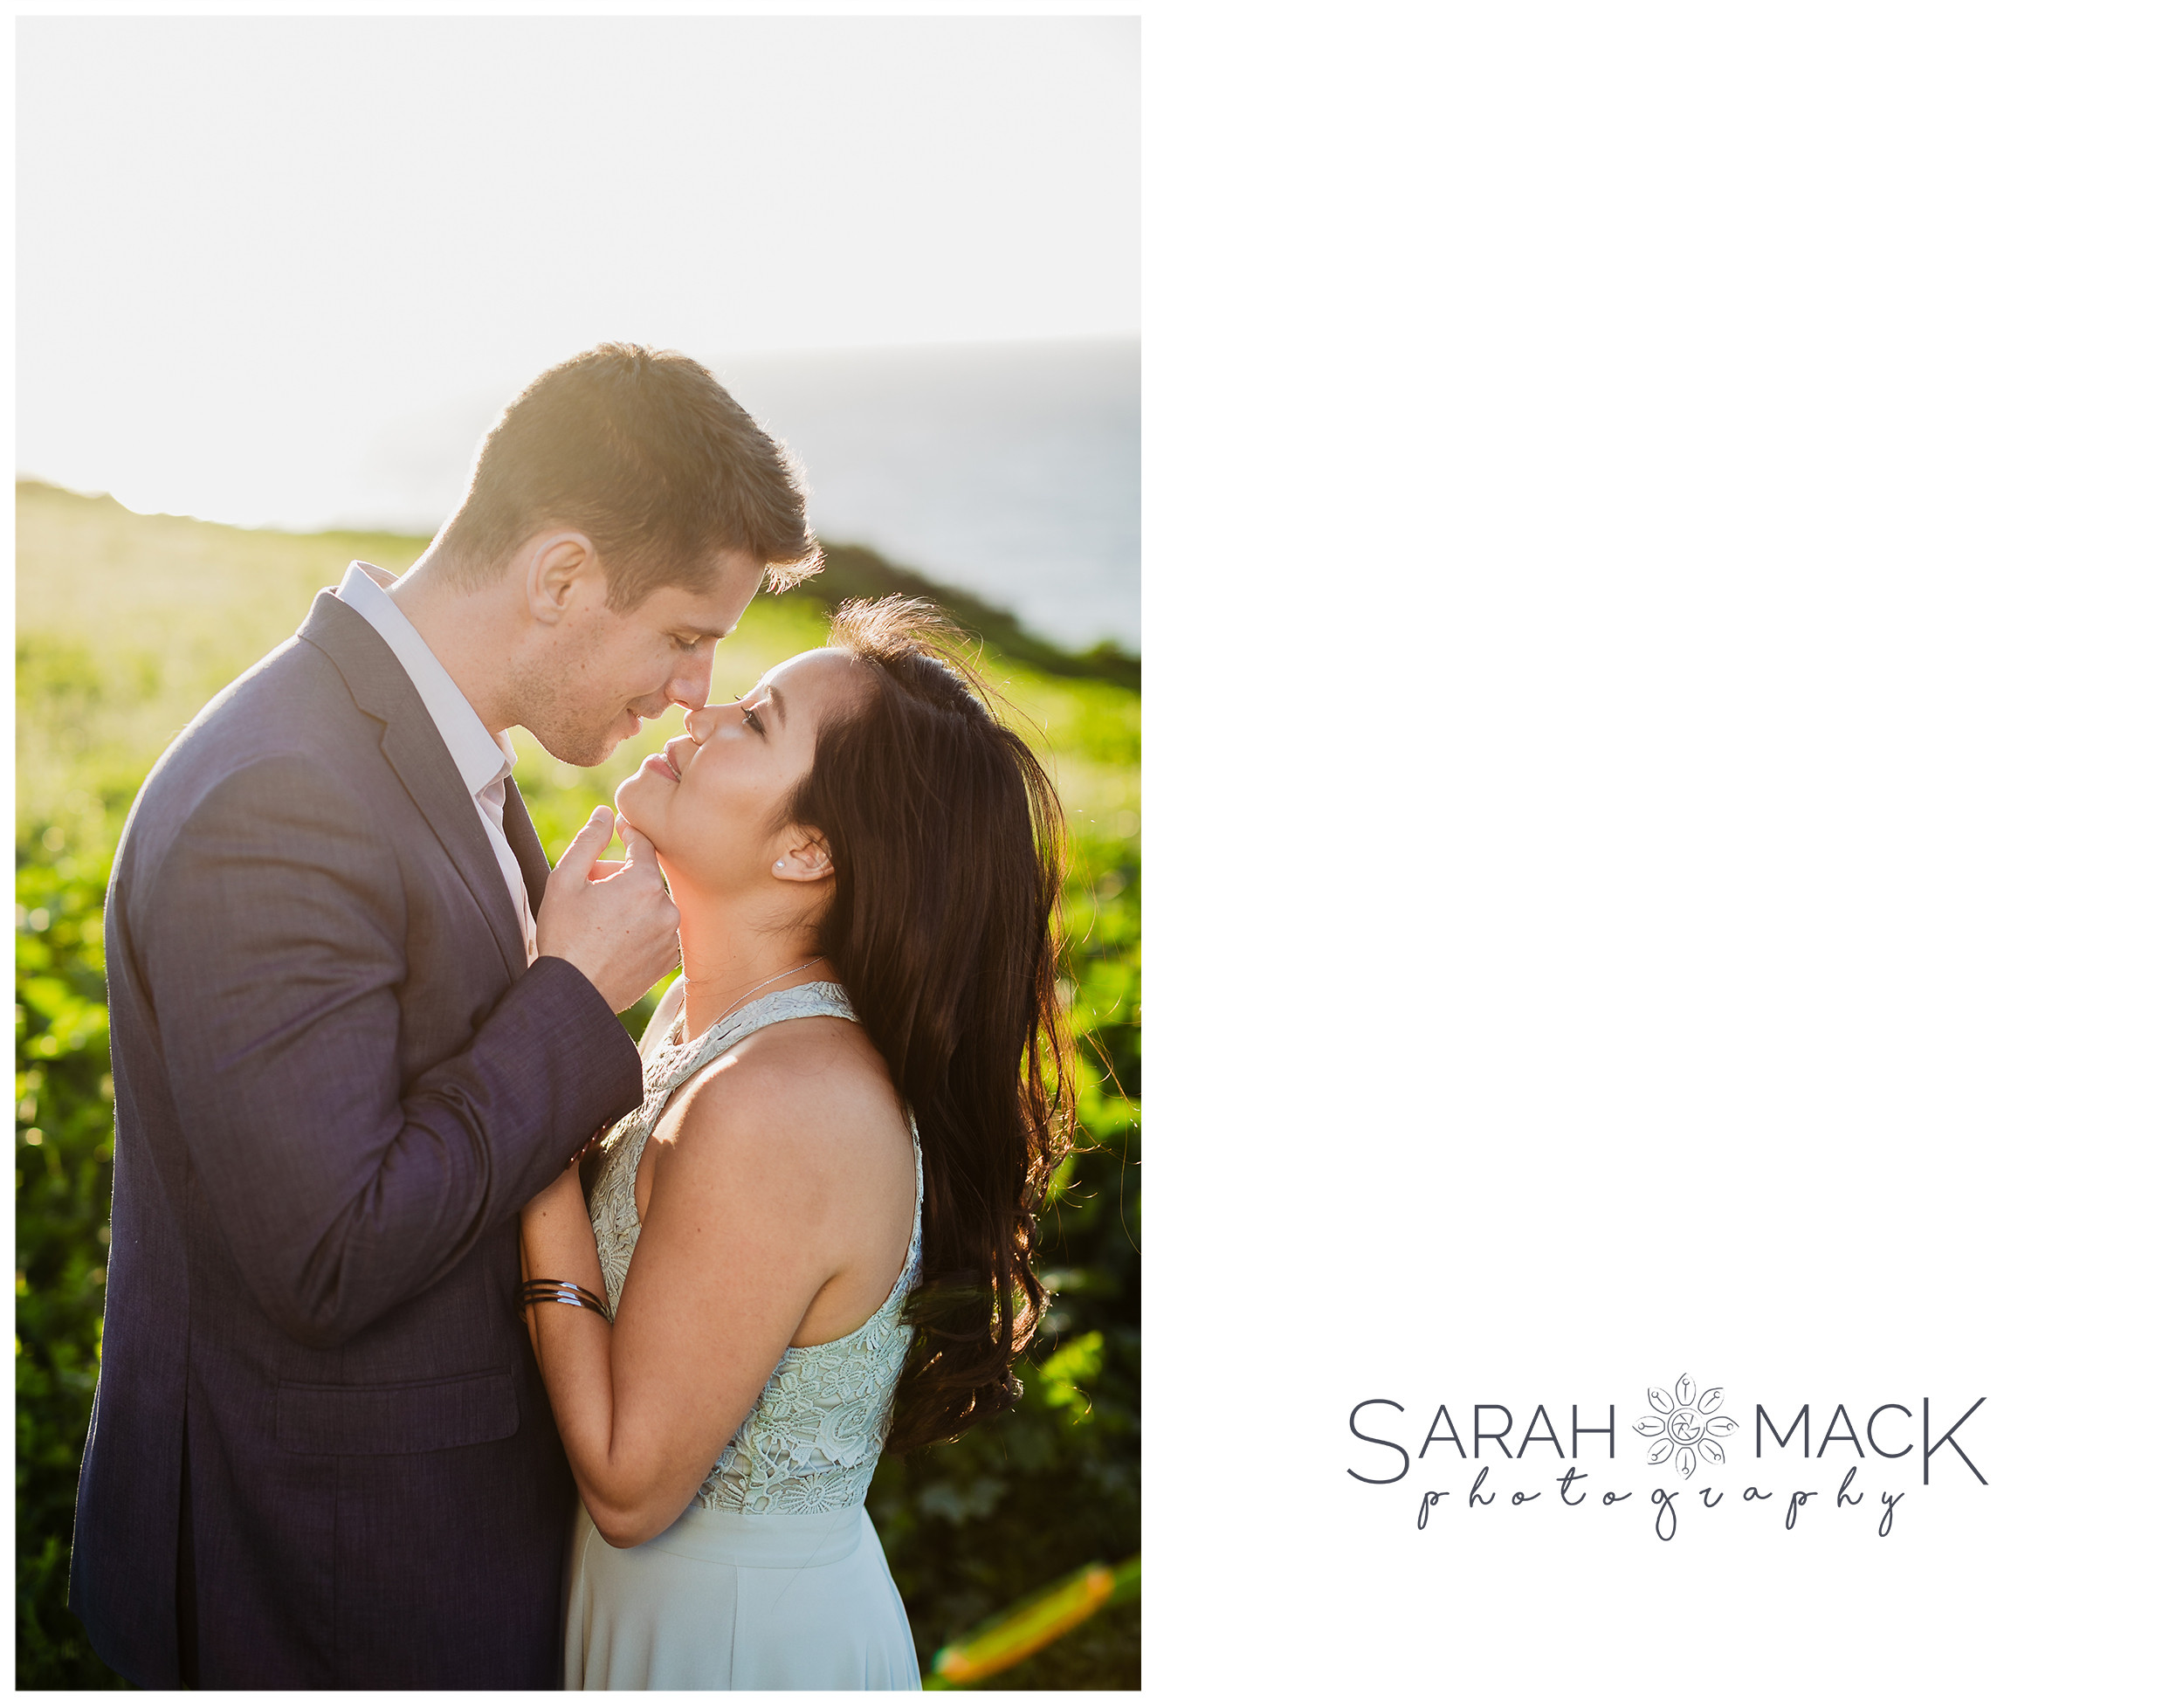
692, 681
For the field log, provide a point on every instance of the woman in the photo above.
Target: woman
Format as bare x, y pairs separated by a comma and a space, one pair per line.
844, 1136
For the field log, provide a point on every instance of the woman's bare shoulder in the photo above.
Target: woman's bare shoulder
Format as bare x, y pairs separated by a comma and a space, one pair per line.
807, 1095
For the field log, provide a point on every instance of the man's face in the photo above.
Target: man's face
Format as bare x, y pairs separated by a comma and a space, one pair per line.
607, 670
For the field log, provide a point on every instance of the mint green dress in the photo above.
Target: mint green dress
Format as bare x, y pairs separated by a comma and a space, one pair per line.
774, 1579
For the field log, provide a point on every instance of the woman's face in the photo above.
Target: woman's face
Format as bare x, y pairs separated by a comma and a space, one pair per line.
710, 804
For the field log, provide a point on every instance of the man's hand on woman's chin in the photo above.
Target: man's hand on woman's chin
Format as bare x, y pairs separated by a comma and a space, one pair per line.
617, 929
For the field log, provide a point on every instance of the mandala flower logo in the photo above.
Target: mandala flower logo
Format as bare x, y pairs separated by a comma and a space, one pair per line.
1684, 1426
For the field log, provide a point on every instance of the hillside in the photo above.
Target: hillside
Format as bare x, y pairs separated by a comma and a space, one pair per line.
126, 624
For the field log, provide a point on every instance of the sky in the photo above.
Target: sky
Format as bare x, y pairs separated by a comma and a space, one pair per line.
1009, 468
250, 249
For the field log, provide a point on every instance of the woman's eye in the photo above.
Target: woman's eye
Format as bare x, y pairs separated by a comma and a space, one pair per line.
750, 717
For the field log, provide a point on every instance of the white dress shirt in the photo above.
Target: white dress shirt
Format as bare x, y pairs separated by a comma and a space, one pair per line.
485, 759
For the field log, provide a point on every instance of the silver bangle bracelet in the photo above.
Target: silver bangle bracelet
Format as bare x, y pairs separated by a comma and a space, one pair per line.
561, 1292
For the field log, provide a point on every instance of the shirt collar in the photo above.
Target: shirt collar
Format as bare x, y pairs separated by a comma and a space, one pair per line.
482, 756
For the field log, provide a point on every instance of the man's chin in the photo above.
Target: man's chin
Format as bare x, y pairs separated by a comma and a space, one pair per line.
583, 752
585, 748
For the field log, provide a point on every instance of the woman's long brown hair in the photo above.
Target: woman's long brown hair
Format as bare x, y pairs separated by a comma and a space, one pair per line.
947, 837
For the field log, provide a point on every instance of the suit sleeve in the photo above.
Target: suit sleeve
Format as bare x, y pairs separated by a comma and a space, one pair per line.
271, 940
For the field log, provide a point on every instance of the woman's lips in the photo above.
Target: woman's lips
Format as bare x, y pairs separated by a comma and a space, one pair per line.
664, 765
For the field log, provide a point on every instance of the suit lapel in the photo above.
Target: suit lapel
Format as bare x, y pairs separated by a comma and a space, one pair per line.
413, 746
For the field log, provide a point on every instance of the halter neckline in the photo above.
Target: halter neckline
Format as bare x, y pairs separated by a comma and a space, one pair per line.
675, 1040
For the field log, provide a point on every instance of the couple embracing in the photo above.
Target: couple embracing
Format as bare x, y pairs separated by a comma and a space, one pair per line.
451, 1339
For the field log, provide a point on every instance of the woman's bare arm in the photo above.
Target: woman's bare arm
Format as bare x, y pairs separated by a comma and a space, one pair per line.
762, 1193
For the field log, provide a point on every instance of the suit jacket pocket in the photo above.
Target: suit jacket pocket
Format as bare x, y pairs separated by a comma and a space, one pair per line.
402, 1417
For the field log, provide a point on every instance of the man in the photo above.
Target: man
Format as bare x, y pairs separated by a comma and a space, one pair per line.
356, 1025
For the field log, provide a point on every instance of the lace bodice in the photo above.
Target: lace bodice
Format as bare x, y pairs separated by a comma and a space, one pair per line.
812, 1441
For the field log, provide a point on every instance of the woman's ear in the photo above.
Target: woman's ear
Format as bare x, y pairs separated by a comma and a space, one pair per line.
808, 861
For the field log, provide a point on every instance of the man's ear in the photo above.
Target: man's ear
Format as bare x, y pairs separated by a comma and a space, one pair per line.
806, 863
553, 565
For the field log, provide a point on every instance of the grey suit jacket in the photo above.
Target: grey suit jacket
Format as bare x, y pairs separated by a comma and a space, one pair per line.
336, 1083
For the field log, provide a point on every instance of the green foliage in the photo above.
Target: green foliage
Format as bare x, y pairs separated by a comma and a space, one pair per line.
125, 625
64, 1182
977, 1524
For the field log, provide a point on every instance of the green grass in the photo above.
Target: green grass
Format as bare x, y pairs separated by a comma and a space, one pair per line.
126, 624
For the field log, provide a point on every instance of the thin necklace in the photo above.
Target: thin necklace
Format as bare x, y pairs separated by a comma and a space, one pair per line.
761, 984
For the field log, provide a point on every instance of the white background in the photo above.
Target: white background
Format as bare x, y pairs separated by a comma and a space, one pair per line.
1661, 566
1663, 712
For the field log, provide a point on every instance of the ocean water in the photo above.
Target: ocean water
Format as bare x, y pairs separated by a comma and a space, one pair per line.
1008, 469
